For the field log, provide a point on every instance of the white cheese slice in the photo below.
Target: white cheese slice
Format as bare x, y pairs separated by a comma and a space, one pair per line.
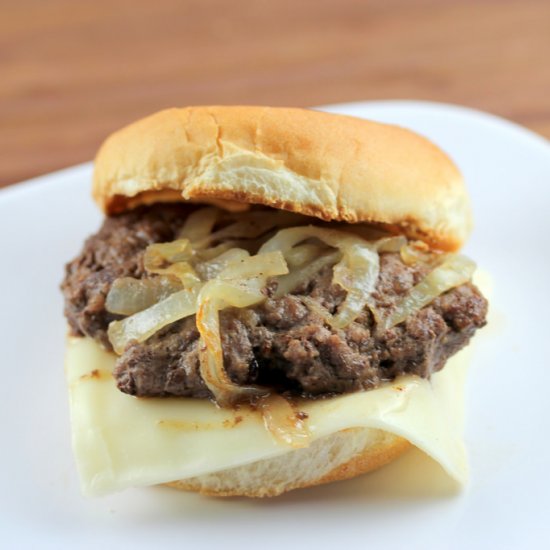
122, 441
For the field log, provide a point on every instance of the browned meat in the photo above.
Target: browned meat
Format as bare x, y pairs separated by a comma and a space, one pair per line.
281, 343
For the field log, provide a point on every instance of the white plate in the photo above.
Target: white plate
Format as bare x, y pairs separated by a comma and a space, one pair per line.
405, 505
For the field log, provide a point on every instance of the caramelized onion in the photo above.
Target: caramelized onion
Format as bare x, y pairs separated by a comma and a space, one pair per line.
252, 225
240, 285
157, 255
263, 265
199, 224
206, 254
315, 307
240, 230
128, 295
142, 325
212, 268
244, 293
288, 283
454, 271
367, 232
214, 375
356, 272
419, 252
171, 259
391, 244
182, 271
302, 254
283, 422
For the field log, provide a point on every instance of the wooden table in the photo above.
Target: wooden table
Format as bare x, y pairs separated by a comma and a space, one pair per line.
71, 72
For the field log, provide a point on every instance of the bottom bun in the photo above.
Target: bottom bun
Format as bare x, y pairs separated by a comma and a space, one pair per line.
339, 456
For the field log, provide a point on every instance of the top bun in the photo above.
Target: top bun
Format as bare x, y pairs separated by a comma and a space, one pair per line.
333, 167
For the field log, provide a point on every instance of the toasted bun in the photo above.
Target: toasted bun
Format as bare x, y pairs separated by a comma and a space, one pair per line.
342, 455
334, 167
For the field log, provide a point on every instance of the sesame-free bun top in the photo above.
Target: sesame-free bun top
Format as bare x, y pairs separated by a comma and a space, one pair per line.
333, 167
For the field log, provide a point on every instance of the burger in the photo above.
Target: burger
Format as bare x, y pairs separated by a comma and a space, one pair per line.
274, 301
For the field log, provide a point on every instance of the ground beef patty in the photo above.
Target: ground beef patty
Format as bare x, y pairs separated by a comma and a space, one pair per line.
283, 342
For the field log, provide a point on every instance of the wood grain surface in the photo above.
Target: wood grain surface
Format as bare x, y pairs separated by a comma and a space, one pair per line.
73, 71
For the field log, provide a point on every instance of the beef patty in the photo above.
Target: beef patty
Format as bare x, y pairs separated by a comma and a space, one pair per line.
282, 342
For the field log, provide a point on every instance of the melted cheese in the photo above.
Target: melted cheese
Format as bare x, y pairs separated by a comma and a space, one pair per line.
122, 441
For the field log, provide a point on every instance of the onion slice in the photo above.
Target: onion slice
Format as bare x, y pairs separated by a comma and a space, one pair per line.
215, 377
171, 259
356, 272
303, 253
158, 254
128, 295
391, 244
212, 268
262, 265
207, 254
240, 285
418, 252
182, 271
288, 283
252, 225
142, 325
199, 224
317, 308
283, 422
454, 271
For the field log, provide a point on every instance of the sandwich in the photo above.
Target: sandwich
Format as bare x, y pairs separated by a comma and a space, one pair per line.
274, 300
